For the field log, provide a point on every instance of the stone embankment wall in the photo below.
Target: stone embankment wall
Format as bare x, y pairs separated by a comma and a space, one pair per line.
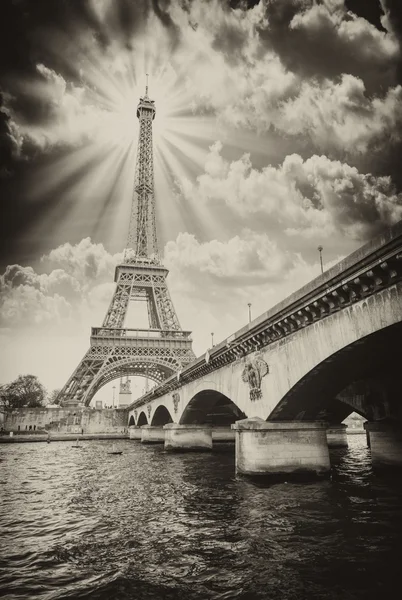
65, 420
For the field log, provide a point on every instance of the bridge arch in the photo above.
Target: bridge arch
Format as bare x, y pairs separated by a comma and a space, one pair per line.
161, 416
323, 391
131, 421
212, 407
142, 419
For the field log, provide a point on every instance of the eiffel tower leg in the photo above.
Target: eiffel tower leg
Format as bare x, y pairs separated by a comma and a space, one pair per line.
80, 381
166, 311
118, 307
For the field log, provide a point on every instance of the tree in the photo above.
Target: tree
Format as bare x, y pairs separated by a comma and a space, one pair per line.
26, 390
53, 397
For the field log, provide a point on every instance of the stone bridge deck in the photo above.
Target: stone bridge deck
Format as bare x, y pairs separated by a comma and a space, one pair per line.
366, 272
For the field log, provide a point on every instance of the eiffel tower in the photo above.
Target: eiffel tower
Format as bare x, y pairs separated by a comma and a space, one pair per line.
115, 351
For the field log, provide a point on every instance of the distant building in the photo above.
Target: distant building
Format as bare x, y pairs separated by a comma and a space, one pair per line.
124, 398
98, 404
354, 421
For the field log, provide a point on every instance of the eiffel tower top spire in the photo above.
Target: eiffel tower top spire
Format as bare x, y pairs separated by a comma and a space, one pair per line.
142, 241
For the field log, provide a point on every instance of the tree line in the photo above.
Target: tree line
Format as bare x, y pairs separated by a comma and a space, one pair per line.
26, 391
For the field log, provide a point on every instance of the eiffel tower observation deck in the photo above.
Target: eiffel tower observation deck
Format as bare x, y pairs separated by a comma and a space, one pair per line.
115, 351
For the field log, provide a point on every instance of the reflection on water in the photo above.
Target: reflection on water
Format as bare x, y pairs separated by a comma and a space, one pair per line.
148, 524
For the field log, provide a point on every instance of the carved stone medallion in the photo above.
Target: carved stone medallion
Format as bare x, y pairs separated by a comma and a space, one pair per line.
176, 400
253, 373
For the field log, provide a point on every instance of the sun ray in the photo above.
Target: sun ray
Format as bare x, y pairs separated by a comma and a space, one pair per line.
56, 174
87, 189
194, 214
193, 155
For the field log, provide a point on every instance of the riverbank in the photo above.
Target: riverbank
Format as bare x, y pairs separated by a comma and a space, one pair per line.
68, 437
60, 437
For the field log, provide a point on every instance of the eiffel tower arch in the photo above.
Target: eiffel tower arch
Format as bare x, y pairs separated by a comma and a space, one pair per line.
115, 351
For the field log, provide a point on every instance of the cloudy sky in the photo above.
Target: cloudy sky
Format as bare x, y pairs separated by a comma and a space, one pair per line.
278, 128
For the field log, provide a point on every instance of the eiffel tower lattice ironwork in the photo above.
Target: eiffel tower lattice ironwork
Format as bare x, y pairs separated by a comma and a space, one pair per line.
116, 351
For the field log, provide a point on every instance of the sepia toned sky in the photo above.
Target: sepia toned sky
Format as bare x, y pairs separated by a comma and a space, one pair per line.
278, 129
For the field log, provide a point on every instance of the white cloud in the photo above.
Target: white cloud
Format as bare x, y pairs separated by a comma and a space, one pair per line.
339, 115
345, 31
73, 288
249, 258
235, 67
28, 305
305, 197
85, 261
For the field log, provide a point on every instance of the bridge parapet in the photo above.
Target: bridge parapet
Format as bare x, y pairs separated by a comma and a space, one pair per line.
375, 266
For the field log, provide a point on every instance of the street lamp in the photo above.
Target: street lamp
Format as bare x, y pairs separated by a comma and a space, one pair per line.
249, 312
320, 249
114, 390
212, 340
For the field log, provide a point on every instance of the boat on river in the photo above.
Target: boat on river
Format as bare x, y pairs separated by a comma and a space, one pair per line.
114, 451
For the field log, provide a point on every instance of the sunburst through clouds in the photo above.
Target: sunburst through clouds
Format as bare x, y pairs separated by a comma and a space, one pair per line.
93, 124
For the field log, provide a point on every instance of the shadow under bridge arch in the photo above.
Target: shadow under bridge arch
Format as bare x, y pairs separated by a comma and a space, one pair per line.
356, 378
212, 408
161, 417
142, 419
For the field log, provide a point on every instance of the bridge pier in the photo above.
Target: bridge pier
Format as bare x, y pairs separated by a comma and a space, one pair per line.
187, 437
135, 432
336, 436
385, 443
151, 434
281, 448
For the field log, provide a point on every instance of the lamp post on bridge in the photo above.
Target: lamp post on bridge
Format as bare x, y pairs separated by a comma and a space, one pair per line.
249, 312
114, 391
320, 249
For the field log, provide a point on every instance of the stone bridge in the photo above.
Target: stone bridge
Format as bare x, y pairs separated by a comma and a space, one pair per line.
331, 348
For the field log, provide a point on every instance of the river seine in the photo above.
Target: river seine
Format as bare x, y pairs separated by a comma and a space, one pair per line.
151, 525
